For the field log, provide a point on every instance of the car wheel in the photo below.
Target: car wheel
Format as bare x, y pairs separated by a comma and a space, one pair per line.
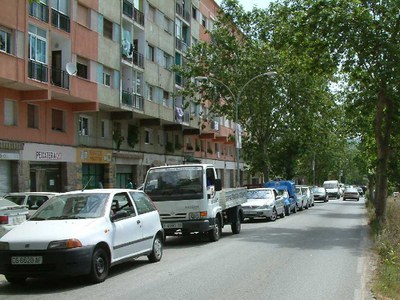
100, 266
274, 215
295, 208
157, 251
215, 233
15, 279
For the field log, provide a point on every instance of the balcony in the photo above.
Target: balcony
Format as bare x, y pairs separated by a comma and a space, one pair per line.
39, 11
180, 45
136, 58
180, 10
133, 100
60, 20
59, 78
138, 17
37, 71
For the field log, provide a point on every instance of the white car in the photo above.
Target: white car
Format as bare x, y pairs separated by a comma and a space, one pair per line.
11, 215
31, 199
83, 233
265, 203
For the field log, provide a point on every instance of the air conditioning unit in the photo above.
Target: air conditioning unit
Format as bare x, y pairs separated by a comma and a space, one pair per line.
215, 125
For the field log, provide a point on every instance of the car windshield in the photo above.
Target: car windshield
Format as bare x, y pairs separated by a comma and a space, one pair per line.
298, 190
259, 194
183, 183
73, 206
318, 190
16, 199
330, 185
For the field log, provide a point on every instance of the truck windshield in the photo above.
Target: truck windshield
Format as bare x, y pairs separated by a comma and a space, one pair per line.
167, 184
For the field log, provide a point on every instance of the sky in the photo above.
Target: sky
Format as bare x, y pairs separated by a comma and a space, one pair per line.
249, 4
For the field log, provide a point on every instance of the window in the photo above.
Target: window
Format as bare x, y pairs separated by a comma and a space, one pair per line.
107, 29
166, 98
107, 76
33, 116
142, 202
194, 13
37, 44
138, 88
83, 16
84, 126
57, 120
104, 128
10, 112
150, 95
39, 10
60, 14
150, 52
168, 25
5, 40
82, 67
148, 137
121, 202
203, 20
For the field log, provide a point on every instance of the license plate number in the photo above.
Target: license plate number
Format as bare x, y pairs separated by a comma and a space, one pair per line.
26, 260
172, 225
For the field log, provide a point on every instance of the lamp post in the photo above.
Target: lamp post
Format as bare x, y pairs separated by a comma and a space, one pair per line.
237, 102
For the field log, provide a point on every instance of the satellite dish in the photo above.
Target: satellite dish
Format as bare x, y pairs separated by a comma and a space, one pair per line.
71, 68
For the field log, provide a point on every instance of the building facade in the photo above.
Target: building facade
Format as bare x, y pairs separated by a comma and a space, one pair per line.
88, 98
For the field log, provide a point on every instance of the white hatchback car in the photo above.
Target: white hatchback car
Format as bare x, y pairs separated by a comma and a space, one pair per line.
83, 233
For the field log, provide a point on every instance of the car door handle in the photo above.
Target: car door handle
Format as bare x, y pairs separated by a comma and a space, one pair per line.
138, 221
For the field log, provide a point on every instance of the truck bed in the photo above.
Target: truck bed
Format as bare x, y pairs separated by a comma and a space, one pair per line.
231, 197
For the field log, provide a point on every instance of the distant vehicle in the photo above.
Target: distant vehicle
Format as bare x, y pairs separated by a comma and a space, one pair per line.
308, 193
264, 203
83, 233
333, 188
360, 191
11, 215
31, 199
320, 194
302, 200
291, 205
351, 193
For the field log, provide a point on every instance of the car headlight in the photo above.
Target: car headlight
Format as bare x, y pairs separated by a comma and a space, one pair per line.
4, 246
64, 244
197, 215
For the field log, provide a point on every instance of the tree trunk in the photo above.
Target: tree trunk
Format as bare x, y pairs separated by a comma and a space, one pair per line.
383, 129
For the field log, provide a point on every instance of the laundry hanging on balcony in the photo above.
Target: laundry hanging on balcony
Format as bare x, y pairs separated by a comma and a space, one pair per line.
178, 115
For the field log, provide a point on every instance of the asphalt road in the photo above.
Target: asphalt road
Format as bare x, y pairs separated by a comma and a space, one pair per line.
318, 253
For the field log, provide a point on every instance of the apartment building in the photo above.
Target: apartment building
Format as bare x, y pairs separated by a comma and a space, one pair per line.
87, 94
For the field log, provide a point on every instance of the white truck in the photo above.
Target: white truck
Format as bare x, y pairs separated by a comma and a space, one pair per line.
332, 188
190, 199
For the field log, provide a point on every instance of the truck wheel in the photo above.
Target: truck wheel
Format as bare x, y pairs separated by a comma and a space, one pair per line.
237, 225
215, 233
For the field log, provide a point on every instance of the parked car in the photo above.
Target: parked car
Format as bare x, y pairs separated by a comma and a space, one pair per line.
351, 193
320, 194
11, 215
31, 199
264, 203
302, 202
309, 196
285, 186
83, 233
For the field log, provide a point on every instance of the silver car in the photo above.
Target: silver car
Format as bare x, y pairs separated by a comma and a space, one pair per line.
264, 203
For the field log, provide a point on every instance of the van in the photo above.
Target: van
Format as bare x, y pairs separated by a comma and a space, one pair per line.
332, 188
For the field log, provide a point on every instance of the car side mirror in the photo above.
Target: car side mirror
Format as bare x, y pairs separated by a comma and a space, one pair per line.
218, 185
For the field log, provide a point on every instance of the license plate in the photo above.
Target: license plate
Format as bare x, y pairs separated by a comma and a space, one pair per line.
26, 260
172, 225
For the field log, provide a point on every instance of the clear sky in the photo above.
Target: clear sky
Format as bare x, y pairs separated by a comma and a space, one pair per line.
249, 4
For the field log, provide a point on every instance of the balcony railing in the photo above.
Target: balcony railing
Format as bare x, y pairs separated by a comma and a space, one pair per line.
60, 20
127, 9
60, 78
38, 71
39, 10
180, 45
136, 58
138, 16
133, 100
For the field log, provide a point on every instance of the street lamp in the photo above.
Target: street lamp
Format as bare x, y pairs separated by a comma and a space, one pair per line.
237, 102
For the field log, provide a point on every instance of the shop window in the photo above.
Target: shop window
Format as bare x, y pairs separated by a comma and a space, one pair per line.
58, 120
10, 112
33, 116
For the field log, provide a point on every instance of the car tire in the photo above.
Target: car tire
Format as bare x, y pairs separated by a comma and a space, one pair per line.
287, 212
295, 209
282, 215
215, 233
100, 266
157, 252
15, 279
274, 215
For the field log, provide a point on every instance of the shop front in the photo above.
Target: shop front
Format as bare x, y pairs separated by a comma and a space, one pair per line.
9, 157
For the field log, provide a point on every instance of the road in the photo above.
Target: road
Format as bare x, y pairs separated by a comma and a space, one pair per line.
318, 253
